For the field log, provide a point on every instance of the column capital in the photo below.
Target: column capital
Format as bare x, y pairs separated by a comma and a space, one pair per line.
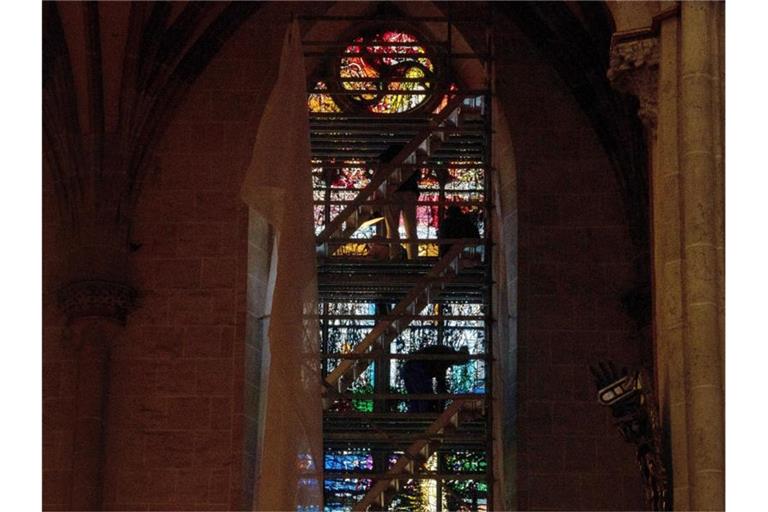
634, 69
95, 298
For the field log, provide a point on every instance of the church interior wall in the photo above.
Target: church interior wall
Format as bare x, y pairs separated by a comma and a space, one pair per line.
575, 259
185, 382
176, 402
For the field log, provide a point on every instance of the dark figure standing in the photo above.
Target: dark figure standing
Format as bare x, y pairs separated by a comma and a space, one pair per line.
456, 224
418, 375
403, 199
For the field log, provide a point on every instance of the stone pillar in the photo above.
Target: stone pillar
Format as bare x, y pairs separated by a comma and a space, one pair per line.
718, 118
667, 228
675, 70
641, 66
701, 208
96, 311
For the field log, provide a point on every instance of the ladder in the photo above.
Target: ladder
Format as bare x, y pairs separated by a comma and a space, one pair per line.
417, 151
386, 330
408, 465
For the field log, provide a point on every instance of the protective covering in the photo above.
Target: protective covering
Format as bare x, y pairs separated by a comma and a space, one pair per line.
277, 188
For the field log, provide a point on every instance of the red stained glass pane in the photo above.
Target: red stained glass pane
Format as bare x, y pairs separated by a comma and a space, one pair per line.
379, 68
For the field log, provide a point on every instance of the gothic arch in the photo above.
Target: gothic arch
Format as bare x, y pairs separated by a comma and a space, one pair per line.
572, 201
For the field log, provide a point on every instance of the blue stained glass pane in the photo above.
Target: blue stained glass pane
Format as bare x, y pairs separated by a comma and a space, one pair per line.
348, 460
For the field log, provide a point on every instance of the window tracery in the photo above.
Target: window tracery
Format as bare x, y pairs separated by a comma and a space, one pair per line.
387, 71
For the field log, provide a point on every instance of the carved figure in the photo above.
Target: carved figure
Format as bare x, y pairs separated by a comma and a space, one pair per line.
632, 404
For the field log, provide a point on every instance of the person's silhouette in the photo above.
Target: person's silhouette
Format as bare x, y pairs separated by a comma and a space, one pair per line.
418, 375
456, 224
402, 199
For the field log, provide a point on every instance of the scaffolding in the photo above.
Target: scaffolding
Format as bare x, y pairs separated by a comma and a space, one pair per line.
378, 306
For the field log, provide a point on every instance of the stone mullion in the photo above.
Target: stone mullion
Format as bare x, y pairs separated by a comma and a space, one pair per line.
703, 364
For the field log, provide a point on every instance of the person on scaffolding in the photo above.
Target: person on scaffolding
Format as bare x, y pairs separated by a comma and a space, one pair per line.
455, 225
402, 200
418, 375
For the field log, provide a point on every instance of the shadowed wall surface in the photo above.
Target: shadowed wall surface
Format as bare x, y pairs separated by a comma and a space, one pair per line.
148, 195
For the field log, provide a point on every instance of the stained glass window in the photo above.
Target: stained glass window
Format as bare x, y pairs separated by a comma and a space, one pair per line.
454, 325
342, 493
322, 103
466, 494
363, 385
341, 331
356, 132
390, 69
466, 461
466, 176
418, 495
351, 459
334, 186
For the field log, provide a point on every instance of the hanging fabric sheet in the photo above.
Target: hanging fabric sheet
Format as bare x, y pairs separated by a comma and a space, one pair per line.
278, 187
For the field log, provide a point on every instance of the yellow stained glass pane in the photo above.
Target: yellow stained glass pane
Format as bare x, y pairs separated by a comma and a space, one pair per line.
320, 103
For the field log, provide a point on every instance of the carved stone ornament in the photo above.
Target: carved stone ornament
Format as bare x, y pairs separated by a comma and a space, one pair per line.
634, 69
634, 408
97, 298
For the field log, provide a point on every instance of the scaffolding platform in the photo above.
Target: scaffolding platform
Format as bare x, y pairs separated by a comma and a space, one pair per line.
378, 311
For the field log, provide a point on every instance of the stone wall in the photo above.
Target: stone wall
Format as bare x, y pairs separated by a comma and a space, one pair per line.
575, 261
177, 429
175, 437
183, 393
59, 370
